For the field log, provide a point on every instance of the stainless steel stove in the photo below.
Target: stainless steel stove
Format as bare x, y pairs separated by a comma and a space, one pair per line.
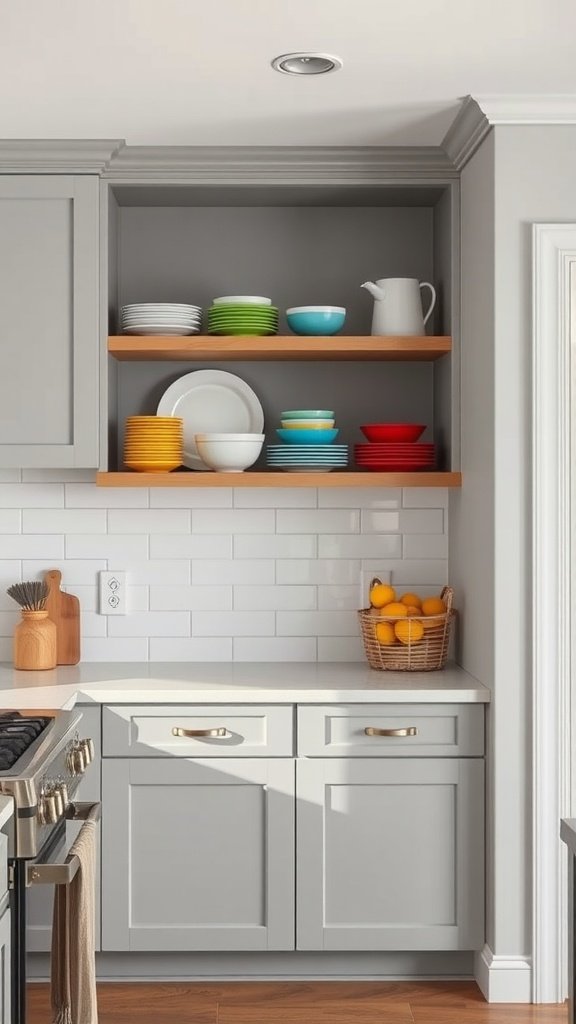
42, 761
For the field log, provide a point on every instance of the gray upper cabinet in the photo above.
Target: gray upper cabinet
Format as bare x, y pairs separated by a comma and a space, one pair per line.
390, 854
197, 854
49, 317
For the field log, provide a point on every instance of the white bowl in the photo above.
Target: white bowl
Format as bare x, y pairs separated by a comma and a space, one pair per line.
316, 309
229, 437
229, 456
242, 300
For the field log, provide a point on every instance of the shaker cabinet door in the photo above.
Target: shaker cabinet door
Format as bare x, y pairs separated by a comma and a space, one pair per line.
49, 323
197, 854
390, 854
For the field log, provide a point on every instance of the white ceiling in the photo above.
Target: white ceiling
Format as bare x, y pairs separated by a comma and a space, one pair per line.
197, 72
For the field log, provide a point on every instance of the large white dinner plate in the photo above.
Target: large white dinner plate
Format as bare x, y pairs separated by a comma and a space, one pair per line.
166, 330
166, 307
211, 402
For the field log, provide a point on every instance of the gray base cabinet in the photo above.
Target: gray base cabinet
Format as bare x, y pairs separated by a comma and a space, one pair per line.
5, 978
198, 854
49, 297
390, 854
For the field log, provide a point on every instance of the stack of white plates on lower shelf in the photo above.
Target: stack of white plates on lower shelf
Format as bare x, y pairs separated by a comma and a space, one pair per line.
172, 319
307, 458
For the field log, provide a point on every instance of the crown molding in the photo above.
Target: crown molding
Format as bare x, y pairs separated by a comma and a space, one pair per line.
465, 134
280, 165
57, 156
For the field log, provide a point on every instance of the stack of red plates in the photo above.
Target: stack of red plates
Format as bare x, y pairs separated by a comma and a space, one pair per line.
398, 457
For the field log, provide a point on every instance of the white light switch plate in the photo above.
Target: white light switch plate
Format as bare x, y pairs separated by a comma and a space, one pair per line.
112, 593
366, 577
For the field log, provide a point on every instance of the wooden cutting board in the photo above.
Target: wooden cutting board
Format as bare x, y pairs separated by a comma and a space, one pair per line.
64, 610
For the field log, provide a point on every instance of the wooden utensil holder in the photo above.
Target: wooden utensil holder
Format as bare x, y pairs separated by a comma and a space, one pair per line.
35, 643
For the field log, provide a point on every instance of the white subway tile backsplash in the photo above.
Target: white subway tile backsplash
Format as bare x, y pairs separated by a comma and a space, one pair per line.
31, 495
220, 570
275, 497
150, 520
343, 596
213, 574
255, 598
191, 497
318, 570
406, 521
65, 520
115, 648
150, 624
341, 648
120, 549
87, 496
360, 497
233, 623
318, 521
425, 545
31, 546
190, 598
191, 546
10, 520
361, 546
233, 521
425, 497
321, 623
274, 546
191, 649
275, 648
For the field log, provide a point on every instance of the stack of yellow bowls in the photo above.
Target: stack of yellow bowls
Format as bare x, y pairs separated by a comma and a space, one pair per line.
153, 444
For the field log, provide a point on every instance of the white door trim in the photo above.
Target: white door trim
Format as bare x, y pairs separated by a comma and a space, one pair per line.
554, 261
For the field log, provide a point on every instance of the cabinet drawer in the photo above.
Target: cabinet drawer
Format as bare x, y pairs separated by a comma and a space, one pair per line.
440, 730
246, 731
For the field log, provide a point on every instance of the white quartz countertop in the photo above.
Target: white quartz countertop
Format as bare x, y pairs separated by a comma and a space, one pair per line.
233, 683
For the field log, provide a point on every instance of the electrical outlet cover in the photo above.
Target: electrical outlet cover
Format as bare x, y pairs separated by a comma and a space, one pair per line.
112, 592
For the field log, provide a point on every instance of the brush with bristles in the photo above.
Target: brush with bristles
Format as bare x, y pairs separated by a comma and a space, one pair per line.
31, 596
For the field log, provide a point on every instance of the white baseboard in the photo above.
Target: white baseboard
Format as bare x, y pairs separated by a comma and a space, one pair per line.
503, 979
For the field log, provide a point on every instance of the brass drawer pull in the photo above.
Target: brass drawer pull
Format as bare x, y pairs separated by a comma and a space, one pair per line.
410, 730
191, 733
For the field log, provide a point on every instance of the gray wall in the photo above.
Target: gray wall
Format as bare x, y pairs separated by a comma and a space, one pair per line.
534, 171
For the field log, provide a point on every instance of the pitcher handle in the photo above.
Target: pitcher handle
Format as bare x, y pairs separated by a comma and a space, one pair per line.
426, 284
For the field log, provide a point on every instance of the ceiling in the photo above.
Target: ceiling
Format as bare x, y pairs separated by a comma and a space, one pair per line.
187, 72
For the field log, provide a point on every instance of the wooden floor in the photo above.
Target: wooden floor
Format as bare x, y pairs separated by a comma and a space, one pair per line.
301, 1003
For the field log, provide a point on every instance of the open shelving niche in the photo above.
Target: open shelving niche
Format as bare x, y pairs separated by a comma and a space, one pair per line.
174, 243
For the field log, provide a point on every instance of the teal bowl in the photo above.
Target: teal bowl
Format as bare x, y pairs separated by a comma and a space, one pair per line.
315, 320
307, 414
308, 436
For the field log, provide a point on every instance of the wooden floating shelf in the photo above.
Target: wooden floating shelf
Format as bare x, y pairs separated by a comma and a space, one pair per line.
209, 347
272, 478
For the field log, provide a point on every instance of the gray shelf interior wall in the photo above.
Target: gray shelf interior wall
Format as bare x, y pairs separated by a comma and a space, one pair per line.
297, 254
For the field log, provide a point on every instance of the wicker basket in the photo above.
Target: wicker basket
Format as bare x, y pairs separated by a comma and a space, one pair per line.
428, 654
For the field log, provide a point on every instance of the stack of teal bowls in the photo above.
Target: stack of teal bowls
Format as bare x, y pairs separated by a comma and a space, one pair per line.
308, 437
243, 314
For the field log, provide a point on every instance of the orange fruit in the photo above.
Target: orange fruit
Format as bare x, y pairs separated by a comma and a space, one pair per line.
412, 600
395, 610
409, 631
413, 610
381, 594
433, 606
385, 634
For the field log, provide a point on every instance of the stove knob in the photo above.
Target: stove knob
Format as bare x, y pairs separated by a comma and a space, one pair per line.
47, 810
79, 761
63, 790
56, 795
87, 748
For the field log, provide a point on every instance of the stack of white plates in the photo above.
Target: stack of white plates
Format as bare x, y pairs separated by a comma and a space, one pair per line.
174, 319
307, 458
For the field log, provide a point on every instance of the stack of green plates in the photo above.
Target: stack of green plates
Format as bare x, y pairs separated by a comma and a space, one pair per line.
242, 319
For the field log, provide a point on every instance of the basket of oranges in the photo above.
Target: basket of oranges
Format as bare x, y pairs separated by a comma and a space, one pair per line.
406, 633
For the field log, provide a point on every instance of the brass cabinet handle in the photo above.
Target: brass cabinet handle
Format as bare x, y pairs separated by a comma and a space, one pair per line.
176, 731
410, 730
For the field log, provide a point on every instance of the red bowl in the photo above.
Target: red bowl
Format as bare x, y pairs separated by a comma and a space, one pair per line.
393, 431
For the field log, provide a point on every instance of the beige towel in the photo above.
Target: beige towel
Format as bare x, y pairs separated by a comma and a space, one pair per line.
73, 969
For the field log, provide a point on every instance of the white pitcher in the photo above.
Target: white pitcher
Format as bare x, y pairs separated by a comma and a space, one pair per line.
398, 305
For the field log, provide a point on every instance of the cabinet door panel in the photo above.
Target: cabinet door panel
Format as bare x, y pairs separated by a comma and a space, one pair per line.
49, 320
390, 854
198, 855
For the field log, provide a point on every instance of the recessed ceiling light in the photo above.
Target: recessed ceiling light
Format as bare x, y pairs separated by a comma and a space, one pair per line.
306, 63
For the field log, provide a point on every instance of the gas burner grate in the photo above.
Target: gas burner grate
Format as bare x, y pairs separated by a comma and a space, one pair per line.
17, 733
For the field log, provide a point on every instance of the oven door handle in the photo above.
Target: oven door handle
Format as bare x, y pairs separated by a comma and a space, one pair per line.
62, 874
